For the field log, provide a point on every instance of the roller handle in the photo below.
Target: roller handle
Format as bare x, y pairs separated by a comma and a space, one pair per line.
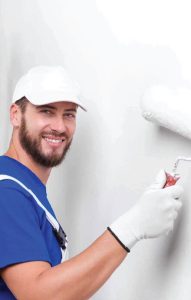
170, 180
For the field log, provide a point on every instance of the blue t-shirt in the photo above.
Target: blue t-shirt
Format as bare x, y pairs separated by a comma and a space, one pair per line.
25, 233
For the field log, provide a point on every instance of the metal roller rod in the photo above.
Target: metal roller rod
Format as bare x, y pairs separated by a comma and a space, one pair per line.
177, 162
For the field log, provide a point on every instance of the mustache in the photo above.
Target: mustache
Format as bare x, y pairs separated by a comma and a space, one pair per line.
55, 134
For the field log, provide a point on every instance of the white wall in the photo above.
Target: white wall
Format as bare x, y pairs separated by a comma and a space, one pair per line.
114, 56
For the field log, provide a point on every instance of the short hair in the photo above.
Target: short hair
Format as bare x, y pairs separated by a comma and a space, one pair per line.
22, 103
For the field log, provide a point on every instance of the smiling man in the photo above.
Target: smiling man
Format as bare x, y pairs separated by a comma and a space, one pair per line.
47, 145
32, 242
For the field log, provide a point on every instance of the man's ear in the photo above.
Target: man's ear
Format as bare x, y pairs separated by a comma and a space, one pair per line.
15, 115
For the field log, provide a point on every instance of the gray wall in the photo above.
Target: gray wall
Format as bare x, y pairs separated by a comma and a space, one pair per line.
115, 53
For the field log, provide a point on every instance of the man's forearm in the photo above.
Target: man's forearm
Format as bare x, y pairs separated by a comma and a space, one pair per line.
81, 276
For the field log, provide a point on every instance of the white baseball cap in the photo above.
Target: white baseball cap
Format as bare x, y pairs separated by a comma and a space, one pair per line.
48, 84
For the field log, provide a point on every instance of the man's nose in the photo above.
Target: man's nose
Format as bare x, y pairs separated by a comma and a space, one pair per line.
58, 125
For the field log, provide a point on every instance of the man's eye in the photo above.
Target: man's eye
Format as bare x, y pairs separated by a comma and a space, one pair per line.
70, 116
46, 111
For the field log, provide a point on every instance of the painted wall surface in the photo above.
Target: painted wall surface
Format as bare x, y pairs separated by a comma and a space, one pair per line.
115, 50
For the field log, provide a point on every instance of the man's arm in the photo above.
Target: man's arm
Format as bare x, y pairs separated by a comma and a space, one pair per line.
75, 279
80, 277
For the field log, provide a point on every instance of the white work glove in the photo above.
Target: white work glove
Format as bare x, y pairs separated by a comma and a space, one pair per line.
152, 216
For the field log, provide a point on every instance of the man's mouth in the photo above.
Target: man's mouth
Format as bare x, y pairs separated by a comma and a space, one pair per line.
53, 140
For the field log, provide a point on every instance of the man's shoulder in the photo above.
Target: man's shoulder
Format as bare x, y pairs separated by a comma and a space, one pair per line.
7, 165
15, 196
12, 190
14, 200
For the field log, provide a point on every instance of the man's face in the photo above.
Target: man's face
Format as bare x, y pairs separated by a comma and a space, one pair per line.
46, 131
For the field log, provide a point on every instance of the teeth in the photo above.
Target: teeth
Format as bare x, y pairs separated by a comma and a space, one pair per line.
53, 141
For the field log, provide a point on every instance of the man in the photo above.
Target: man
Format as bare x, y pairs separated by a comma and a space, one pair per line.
43, 116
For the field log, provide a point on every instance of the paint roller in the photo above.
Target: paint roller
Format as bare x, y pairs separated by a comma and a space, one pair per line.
172, 110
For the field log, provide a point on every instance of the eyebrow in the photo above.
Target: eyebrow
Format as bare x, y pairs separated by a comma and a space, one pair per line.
71, 109
45, 106
52, 107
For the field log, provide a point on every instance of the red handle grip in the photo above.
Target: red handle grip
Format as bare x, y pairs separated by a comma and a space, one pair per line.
170, 180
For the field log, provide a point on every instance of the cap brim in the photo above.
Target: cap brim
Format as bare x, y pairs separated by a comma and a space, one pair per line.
48, 99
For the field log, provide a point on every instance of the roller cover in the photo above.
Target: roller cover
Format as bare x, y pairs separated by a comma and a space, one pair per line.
170, 108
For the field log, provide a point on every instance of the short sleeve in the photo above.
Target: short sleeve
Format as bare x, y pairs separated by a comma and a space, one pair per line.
21, 239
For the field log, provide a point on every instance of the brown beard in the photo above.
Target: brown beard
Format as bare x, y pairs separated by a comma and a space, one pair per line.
32, 146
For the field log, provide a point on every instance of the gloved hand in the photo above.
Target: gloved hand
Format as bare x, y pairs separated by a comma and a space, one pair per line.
152, 216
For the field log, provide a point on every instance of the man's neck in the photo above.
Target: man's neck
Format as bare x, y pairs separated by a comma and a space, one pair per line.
41, 172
